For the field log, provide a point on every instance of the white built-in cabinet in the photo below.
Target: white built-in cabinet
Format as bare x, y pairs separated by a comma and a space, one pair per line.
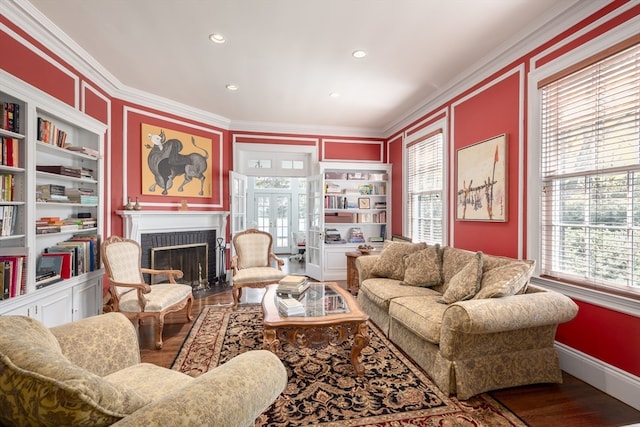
81, 295
348, 204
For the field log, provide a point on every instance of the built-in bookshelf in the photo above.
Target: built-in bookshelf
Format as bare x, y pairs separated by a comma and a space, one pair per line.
353, 202
51, 203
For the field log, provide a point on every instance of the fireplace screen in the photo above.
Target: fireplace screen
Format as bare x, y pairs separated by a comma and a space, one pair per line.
190, 259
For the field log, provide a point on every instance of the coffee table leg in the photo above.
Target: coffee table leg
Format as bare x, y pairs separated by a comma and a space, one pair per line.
360, 341
269, 340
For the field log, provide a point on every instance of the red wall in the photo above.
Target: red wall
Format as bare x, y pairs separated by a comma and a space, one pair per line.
491, 107
495, 106
491, 112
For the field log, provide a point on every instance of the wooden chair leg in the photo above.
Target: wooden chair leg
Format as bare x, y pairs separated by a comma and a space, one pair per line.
189, 305
159, 328
237, 293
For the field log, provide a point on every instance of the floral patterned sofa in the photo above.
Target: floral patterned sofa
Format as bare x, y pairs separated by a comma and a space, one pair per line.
472, 321
89, 373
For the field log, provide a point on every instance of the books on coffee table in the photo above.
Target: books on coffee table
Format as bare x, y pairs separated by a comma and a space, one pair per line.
292, 285
290, 307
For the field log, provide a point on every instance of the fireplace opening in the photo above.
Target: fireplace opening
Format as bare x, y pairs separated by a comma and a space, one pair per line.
191, 259
199, 263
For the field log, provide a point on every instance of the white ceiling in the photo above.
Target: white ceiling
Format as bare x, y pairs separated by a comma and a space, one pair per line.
286, 56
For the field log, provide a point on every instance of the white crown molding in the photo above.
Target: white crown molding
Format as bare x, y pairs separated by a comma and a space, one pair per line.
248, 126
562, 16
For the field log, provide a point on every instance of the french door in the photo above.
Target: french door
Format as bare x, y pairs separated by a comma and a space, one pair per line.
273, 215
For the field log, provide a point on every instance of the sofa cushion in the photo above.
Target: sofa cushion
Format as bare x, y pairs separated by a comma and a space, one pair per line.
466, 283
41, 387
423, 268
423, 315
453, 260
381, 291
390, 264
150, 380
507, 279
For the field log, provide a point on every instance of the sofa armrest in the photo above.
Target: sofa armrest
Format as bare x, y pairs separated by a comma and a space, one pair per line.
100, 344
491, 315
364, 265
233, 394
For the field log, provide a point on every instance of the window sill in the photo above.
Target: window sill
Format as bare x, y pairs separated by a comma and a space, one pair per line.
628, 304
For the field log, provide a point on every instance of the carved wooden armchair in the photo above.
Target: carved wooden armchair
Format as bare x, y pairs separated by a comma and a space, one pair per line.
252, 263
132, 296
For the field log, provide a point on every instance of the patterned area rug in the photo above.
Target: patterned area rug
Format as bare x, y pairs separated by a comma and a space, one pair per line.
323, 389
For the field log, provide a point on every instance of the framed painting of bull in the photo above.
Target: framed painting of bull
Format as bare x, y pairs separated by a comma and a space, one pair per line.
175, 163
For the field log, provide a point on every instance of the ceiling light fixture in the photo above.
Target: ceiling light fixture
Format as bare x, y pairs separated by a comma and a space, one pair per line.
232, 87
217, 38
359, 54
334, 94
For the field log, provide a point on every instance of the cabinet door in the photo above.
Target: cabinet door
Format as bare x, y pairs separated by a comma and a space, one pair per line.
55, 309
27, 309
87, 299
335, 262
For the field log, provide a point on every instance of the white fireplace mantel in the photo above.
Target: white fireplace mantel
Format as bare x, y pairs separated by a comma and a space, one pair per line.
137, 223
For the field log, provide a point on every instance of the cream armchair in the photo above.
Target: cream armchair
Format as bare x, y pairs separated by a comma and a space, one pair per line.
131, 295
252, 263
89, 373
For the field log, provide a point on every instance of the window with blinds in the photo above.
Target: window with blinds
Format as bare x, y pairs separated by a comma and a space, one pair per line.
425, 189
590, 171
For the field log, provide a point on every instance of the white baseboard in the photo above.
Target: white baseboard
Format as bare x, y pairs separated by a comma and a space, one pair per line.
611, 380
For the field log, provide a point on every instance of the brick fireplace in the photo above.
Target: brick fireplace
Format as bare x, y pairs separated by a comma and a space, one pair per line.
166, 234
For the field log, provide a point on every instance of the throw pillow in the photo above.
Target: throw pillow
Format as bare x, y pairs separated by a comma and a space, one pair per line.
508, 279
423, 268
466, 283
390, 264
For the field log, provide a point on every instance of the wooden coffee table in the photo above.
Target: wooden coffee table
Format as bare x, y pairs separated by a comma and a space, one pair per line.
332, 316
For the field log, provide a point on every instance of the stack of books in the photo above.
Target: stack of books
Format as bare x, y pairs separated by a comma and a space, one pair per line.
290, 307
292, 285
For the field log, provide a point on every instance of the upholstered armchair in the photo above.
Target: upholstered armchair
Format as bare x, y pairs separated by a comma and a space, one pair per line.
88, 373
131, 296
253, 262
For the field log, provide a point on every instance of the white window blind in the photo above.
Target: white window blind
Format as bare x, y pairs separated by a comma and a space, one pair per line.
590, 161
425, 189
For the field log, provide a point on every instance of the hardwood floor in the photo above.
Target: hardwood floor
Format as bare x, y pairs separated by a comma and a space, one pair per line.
572, 403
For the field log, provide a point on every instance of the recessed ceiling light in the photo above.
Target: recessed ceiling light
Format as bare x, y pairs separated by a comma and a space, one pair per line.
217, 38
232, 87
359, 54
335, 94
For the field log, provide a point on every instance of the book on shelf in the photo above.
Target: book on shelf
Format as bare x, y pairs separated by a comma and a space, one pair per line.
82, 223
66, 270
49, 133
7, 183
10, 116
9, 152
60, 170
8, 217
5, 267
84, 150
50, 193
13, 272
48, 271
93, 250
79, 255
68, 250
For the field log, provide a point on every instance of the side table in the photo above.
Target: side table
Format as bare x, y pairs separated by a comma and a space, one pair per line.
353, 282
